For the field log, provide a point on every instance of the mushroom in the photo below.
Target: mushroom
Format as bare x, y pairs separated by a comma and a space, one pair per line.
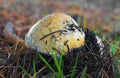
56, 31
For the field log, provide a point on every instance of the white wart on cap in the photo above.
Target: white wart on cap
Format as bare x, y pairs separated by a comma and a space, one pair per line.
55, 31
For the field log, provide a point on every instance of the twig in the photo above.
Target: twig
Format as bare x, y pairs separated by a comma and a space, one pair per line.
39, 71
51, 34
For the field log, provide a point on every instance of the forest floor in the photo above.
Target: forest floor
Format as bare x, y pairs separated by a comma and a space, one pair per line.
17, 17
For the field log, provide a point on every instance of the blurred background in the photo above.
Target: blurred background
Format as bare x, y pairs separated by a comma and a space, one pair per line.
105, 11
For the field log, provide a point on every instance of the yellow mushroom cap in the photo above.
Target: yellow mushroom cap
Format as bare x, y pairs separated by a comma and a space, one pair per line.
56, 31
